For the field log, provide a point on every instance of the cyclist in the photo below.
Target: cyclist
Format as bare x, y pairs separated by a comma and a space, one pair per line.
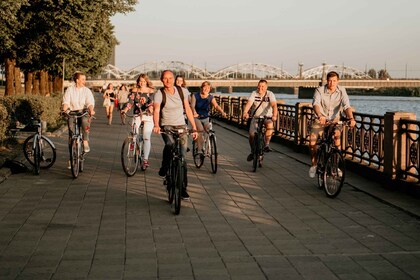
200, 105
170, 116
76, 98
263, 103
140, 100
328, 102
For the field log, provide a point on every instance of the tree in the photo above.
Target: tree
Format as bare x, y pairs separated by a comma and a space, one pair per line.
372, 73
49, 31
383, 74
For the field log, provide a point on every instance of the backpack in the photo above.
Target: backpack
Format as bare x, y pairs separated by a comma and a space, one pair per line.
162, 104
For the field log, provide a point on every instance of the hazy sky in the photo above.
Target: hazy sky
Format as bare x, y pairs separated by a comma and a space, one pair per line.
219, 33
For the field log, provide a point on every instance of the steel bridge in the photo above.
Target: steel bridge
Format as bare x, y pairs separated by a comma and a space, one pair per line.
237, 71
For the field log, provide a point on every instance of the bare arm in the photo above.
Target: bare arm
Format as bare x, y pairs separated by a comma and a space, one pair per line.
156, 115
275, 111
217, 107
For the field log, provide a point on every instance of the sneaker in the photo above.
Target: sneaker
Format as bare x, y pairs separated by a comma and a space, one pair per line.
267, 149
68, 165
340, 173
312, 171
162, 172
145, 163
185, 195
86, 147
250, 157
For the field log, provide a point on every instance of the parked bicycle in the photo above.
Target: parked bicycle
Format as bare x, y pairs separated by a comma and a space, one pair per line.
209, 149
38, 150
132, 153
76, 147
330, 161
259, 143
176, 175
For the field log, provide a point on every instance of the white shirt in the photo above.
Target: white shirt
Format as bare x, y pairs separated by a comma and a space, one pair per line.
78, 98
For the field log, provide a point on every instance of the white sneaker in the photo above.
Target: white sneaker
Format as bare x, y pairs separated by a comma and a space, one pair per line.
68, 165
312, 171
86, 147
340, 173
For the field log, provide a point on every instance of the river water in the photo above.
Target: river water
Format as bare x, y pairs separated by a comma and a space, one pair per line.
376, 105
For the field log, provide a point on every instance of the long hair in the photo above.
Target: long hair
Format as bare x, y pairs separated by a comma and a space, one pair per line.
148, 82
184, 84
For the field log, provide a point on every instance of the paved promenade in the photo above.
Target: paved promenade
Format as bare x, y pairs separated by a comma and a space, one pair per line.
272, 224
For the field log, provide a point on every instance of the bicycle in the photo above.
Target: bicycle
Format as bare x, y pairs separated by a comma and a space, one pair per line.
132, 152
176, 174
209, 149
76, 147
330, 161
259, 142
38, 150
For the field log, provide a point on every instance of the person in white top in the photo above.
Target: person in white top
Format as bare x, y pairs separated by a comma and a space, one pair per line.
77, 98
264, 103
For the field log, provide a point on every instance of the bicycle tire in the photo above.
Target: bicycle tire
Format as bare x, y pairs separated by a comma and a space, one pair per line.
261, 150
334, 174
141, 154
82, 156
48, 152
178, 185
74, 157
129, 156
255, 152
37, 155
198, 159
320, 166
213, 153
170, 187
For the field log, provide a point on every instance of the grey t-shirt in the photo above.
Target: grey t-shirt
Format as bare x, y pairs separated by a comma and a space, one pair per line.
173, 112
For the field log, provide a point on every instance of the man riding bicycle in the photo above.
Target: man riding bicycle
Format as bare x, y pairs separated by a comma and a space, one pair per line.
263, 103
328, 103
168, 112
77, 98
201, 103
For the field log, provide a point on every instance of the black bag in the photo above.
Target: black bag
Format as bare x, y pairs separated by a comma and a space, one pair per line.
15, 166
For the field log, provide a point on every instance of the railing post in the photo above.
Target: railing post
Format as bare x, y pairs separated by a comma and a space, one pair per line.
301, 120
394, 143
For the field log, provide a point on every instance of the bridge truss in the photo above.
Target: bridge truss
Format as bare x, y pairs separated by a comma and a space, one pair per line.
238, 71
343, 71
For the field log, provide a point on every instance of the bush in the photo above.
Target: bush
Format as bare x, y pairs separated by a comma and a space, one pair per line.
20, 109
4, 122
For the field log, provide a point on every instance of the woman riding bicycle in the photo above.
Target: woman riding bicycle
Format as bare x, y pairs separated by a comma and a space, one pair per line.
201, 103
264, 103
140, 100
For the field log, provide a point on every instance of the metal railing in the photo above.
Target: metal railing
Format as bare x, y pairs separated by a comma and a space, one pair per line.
388, 144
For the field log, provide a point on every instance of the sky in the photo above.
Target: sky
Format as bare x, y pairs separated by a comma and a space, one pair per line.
215, 34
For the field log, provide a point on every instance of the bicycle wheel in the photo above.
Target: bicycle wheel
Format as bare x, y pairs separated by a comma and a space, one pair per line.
178, 185
198, 159
170, 187
261, 150
48, 152
74, 157
81, 156
213, 153
129, 156
334, 174
140, 153
320, 166
37, 155
255, 152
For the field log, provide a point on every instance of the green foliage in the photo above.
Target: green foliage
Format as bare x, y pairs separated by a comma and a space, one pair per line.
4, 116
49, 31
20, 109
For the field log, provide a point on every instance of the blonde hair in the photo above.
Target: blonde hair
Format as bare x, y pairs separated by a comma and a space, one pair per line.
148, 82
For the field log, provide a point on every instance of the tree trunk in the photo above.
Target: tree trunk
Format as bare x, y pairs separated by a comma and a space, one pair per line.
50, 84
57, 84
42, 83
28, 83
10, 69
18, 82
35, 89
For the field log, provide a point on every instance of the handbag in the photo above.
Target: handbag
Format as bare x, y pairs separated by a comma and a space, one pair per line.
116, 102
107, 102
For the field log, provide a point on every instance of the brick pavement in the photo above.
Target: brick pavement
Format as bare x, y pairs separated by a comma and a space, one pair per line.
272, 224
